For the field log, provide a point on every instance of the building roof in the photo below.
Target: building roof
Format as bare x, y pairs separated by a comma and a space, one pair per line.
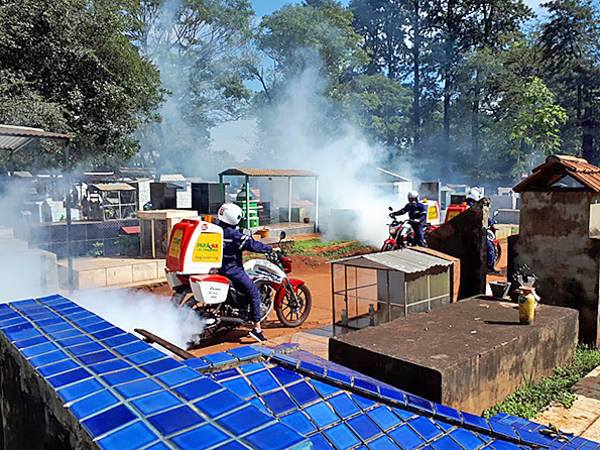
268, 172
124, 394
557, 167
14, 138
171, 177
405, 260
113, 187
394, 175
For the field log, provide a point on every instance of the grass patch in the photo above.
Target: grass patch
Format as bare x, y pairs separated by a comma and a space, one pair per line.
303, 246
320, 248
533, 398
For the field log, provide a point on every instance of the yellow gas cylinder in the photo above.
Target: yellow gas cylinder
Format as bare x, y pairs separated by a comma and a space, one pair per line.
527, 303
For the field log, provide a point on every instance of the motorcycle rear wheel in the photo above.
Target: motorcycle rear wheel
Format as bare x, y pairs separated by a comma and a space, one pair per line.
266, 298
498, 255
187, 311
292, 315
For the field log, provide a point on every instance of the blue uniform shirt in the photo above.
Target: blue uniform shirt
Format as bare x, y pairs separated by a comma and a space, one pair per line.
415, 210
235, 243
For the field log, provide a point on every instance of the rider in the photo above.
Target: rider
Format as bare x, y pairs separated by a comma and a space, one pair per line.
473, 196
416, 213
234, 244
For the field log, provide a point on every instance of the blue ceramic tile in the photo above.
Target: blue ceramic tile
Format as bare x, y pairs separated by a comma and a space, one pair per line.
98, 357
72, 341
48, 358
80, 315
503, 445
285, 360
312, 368
203, 437
503, 430
71, 332
303, 393
160, 366
425, 428
108, 420
263, 381
68, 312
57, 328
244, 353
341, 437
340, 377
363, 402
154, 403
265, 351
18, 332
175, 420
39, 349
366, 386
88, 320
219, 359
225, 374
133, 347
320, 443
26, 343
321, 414
96, 326
466, 439
394, 394
137, 388
275, 437
251, 367
110, 332
196, 363
343, 405
131, 437
475, 421
119, 340
123, 376
299, 422
406, 437
446, 427
198, 388
7, 323
90, 347
69, 377
146, 357
445, 443
109, 366
178, 376
324, 389
159, 446
533, 438
285, 376
80, 390
245, 420
403, 413
240, 387
93, 404
364, 427
53, 369
279, 402
219, 403
383, 417
447, 413
383, 443
419, 403
25, 304
260, 405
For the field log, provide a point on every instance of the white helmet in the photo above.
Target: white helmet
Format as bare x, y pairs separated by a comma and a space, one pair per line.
474, 195
230, 213
413, 195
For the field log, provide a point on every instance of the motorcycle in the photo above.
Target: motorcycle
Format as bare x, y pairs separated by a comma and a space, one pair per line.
214, 299
402, 234
491, 236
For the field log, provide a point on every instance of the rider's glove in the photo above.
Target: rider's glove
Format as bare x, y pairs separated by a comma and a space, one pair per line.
276, 249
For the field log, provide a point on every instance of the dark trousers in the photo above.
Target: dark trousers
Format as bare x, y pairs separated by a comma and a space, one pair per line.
491, 254
418, 229
242, 282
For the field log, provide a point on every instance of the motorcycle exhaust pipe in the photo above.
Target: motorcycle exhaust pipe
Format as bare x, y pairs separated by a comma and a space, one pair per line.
231, 320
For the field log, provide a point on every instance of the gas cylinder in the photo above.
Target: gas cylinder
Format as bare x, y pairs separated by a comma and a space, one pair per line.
527, 304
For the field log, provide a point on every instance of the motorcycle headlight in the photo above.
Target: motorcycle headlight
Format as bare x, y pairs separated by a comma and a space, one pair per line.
393, 229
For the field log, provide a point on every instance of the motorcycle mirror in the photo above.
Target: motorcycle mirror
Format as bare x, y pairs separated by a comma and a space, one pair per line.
390, 208
247, 232
495, 213
282, 235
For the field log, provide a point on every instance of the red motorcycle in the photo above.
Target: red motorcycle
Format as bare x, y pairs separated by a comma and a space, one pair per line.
402, 234
193, 256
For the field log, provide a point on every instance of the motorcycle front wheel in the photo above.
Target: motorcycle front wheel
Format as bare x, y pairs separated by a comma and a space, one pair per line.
498, 255
387, 247
292, 312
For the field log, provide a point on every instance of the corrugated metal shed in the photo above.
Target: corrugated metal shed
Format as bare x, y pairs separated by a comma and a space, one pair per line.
13, 138
268, 172
558, 166
404, 260
171, 177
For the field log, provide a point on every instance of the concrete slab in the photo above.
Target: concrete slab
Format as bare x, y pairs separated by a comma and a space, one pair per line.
145, 271
468, 355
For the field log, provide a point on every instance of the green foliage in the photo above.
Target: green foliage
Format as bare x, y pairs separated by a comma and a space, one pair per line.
533, 398
305, 247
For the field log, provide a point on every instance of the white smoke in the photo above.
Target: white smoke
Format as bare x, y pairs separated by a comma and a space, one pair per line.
130, 309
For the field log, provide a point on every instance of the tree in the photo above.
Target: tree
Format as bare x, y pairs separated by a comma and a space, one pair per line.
69, 66
570, 42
